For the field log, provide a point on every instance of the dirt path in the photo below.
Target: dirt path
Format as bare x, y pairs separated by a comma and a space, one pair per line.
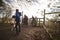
31, 33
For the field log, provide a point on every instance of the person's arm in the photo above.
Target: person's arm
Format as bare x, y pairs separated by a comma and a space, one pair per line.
20, 13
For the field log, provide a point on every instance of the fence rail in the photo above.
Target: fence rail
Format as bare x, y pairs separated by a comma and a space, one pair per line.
38, 21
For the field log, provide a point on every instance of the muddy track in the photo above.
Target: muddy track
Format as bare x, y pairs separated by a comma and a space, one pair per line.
32, 33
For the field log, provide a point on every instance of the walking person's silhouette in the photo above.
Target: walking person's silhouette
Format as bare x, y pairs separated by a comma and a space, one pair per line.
17, 19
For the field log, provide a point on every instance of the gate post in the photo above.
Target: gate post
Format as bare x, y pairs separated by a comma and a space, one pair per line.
44, 18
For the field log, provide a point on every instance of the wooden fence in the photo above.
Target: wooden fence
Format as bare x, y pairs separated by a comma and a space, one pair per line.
38, 21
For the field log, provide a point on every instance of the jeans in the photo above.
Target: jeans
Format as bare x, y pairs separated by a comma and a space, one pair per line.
17, 26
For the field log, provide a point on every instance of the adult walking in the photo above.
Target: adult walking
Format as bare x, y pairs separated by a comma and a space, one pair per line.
17, 19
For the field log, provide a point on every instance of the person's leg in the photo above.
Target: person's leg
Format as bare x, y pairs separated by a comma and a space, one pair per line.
19, 27
16, 27
26, 22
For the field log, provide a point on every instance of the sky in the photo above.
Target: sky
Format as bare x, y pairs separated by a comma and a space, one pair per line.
30, 7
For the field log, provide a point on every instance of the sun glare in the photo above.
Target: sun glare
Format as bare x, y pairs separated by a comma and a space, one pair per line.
31, 8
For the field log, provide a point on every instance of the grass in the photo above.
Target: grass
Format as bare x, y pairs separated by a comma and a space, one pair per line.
54, 30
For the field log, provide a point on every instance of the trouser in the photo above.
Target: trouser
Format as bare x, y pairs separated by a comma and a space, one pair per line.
17, 26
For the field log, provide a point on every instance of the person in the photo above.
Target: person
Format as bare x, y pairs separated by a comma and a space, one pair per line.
17, 19
25, 20
33, 21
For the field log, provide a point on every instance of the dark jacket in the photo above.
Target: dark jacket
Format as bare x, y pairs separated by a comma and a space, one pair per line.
18, 14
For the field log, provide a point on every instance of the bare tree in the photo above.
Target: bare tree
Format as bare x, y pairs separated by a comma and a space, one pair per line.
7, 13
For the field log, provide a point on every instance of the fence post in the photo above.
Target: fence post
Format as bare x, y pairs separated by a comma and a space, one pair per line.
44, 17
39, 21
